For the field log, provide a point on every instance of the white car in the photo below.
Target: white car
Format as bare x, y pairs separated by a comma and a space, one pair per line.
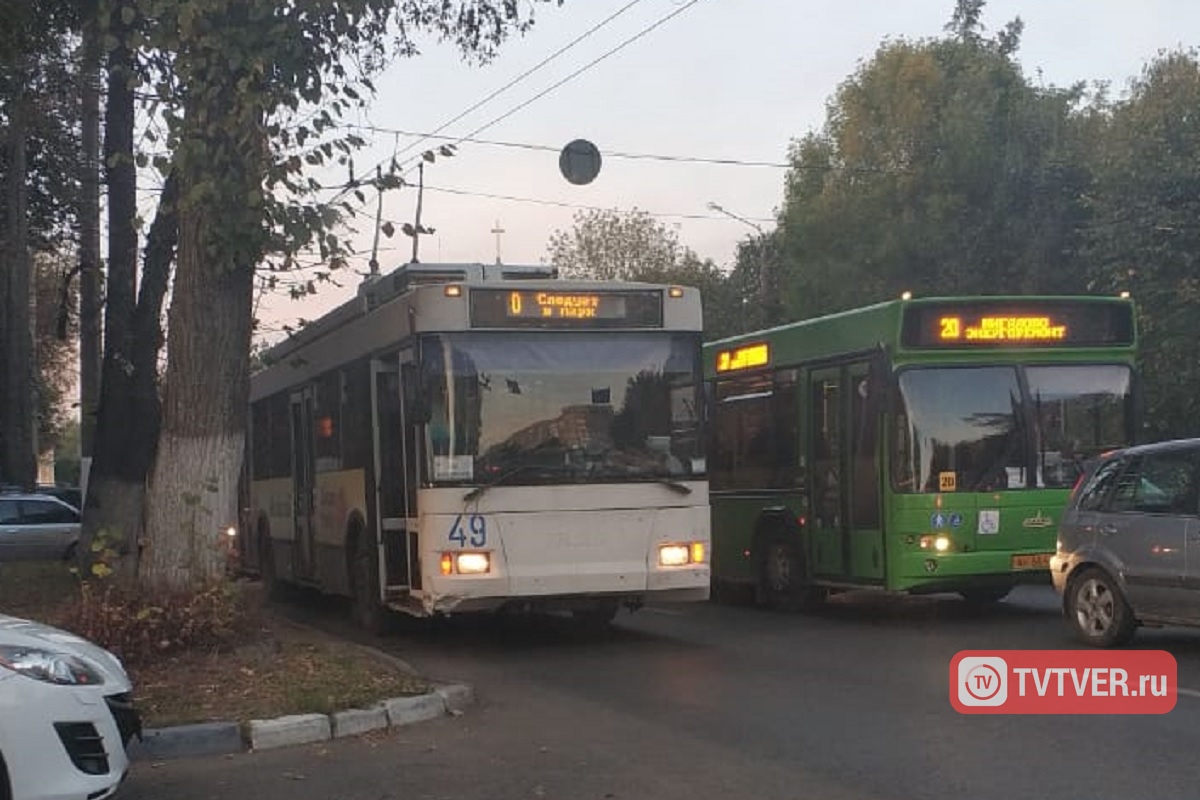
66, 715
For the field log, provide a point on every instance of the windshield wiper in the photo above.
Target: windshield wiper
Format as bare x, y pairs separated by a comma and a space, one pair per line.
675, 485
479, 490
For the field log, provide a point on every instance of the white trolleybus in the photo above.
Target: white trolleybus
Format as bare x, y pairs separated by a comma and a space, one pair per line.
477, 438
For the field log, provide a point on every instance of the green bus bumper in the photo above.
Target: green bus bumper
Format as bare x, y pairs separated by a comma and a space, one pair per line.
947, 572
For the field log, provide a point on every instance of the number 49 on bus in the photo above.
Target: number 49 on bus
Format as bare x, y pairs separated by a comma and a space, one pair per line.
474, 532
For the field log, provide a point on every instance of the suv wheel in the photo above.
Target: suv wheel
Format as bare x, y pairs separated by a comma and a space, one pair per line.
1097, 611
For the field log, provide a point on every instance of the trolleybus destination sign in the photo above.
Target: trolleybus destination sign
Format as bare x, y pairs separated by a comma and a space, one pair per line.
501, 308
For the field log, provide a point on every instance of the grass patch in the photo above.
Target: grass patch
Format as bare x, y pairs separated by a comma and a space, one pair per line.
276, 670
38, 590
287, 672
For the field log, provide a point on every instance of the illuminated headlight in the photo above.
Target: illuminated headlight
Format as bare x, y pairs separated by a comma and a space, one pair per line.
465, 563
231, 531
938, 543
473, 563
679, 555
43, 665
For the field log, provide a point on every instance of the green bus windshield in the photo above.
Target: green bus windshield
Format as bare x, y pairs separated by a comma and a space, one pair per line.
1006, 427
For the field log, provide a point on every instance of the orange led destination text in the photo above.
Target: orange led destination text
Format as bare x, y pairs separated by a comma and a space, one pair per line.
1012, 329
574, 306
743, 358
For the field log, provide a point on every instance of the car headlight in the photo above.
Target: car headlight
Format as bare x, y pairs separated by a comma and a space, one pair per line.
44, 665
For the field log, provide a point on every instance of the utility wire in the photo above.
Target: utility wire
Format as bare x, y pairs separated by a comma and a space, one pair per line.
551, 149
556, 203
552, 87
580, 71
523, 75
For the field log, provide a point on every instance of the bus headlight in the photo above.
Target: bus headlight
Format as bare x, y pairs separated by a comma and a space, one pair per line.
680, 555
466, 563
938, 543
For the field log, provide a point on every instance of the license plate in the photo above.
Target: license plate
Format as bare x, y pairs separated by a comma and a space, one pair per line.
1032, 561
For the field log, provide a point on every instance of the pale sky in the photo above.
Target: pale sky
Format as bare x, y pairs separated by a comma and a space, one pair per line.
723, 79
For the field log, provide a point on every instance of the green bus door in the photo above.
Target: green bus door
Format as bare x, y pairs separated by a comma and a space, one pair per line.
846, 537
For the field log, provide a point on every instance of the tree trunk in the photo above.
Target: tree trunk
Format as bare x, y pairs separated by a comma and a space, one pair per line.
193, 488
116, 483
89, 244
18, 459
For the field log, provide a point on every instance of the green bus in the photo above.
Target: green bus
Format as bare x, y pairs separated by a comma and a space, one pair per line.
917, 445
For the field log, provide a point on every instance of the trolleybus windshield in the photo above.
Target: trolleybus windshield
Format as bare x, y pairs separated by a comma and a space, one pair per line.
568, 407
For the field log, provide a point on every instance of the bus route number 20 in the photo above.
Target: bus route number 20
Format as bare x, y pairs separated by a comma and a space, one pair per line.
472, 531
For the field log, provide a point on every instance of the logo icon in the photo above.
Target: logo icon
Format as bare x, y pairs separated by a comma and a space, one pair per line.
982, 681
1037, 521
937, 520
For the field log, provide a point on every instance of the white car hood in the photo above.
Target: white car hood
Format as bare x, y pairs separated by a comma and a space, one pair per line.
16, 632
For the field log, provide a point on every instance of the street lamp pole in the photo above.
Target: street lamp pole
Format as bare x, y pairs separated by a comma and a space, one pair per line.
766, 265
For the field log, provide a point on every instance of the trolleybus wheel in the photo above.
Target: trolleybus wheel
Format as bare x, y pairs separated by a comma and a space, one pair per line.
1097, 611
368, 611
783, 576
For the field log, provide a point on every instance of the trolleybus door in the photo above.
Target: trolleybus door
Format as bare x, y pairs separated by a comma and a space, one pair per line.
395, 473
303, 490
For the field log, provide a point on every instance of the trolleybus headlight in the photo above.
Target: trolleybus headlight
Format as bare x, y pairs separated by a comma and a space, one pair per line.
680, 555
673, 555
472, 563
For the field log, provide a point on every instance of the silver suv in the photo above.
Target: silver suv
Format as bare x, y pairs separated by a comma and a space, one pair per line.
1122, 558
36, 527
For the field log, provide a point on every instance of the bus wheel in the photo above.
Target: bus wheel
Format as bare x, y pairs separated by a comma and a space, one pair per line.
368, 611
1097, 611
782, 576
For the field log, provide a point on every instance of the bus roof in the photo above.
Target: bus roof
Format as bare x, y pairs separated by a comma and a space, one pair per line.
381, 313
908, 326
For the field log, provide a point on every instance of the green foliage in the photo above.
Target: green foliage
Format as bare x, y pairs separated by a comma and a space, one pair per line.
141, 628
1145, 234
940, 170
634, 246
253, 93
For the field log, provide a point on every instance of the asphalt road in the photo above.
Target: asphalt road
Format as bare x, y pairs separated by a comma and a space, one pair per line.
730, 702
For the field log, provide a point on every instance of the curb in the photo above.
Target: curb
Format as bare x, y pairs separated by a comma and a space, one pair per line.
231, 738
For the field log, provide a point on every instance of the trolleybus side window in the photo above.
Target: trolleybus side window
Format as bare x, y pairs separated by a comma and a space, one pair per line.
281, 438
